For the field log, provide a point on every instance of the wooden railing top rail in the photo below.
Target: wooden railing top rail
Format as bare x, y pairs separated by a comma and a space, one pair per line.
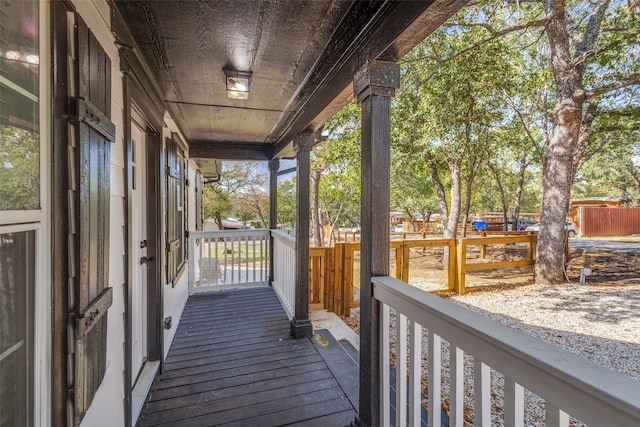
227, 233
593, 394
498, 240
285, 237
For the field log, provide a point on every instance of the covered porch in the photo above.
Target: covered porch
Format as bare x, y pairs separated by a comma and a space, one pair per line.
257, 81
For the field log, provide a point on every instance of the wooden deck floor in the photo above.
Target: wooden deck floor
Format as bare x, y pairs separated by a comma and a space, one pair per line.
233, 363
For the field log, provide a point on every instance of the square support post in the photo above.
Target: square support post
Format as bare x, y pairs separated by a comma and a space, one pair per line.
274, 165
374, 86
301, 325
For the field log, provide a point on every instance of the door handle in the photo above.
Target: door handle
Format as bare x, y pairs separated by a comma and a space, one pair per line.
145, 260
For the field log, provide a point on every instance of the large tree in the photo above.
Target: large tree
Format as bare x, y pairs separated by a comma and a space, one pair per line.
446, 110
240, 192
581, 51
591, 51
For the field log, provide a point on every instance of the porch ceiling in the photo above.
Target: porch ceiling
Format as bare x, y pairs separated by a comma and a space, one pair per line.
303, 55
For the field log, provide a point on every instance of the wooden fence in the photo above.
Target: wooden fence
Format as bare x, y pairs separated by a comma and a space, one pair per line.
332, 269
598, 221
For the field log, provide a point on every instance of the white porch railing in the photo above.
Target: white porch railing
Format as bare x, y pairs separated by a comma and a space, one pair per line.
284, 269
568, 384
228, 259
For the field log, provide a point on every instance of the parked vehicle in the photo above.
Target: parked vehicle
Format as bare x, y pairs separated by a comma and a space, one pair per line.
398, 228
568, 225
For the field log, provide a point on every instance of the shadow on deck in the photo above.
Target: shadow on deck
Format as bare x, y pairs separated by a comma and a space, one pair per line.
232, 362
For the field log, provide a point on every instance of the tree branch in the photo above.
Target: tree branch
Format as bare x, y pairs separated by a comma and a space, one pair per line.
591, 32
495, 34
631, 80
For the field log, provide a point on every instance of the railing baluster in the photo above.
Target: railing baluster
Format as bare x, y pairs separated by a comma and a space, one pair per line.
600, 398
224, 258
435, 361
401, 369
456, 387
246, 258
415, 359
513, 403
385, 370
216, 254
482, 394
555, 417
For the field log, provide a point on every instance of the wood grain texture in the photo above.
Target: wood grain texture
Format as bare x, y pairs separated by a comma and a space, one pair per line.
233, 362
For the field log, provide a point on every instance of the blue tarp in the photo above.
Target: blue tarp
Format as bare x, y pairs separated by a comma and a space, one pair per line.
479, 225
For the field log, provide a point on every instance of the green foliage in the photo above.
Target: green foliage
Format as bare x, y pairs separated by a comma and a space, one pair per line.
338, 159
287, 203
240, 193
19, 169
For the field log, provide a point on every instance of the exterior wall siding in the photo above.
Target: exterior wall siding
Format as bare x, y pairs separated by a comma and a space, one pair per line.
597, 221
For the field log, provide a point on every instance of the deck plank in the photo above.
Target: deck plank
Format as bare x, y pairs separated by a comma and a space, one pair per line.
233, 362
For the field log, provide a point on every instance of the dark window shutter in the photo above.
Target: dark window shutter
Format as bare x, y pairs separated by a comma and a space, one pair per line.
91, 188
176, 209
199, 202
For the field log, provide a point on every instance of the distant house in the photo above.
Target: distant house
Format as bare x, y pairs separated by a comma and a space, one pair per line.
600, 202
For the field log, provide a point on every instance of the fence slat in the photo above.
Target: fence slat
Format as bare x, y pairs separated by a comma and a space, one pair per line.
401, 370
456, 387
482, 394
513, 403
435, 362
385, 370
554, 417
415, 365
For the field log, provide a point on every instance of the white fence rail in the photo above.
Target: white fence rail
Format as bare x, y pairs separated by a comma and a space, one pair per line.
568, 384
284, 269
228, 259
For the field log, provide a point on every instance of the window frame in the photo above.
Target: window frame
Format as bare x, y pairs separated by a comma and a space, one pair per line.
38, 221
176, 217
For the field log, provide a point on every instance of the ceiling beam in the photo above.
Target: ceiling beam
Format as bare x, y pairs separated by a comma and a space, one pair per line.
228, 150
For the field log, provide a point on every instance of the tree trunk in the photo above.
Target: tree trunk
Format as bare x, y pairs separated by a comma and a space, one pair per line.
503, 198
521, 172
451, 229
315, 208
440, 193
467, 207
557, 167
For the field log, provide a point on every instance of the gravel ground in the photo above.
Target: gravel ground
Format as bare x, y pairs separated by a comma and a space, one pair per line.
598, 322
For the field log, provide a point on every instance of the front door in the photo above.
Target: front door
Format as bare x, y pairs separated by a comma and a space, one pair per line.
139, 242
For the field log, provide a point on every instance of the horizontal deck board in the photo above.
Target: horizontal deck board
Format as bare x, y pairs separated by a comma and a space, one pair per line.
201, 392
242, 397
233, 362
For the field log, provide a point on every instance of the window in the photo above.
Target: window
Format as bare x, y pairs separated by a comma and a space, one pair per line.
17, 277
176, 244
20, 214
199, 202
19, 117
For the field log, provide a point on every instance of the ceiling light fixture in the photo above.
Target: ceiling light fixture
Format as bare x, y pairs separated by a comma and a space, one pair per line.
238, 83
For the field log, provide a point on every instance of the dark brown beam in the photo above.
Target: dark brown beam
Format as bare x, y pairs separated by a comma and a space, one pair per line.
386, 30
229, 151
374, 86
300, 325
274, 165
